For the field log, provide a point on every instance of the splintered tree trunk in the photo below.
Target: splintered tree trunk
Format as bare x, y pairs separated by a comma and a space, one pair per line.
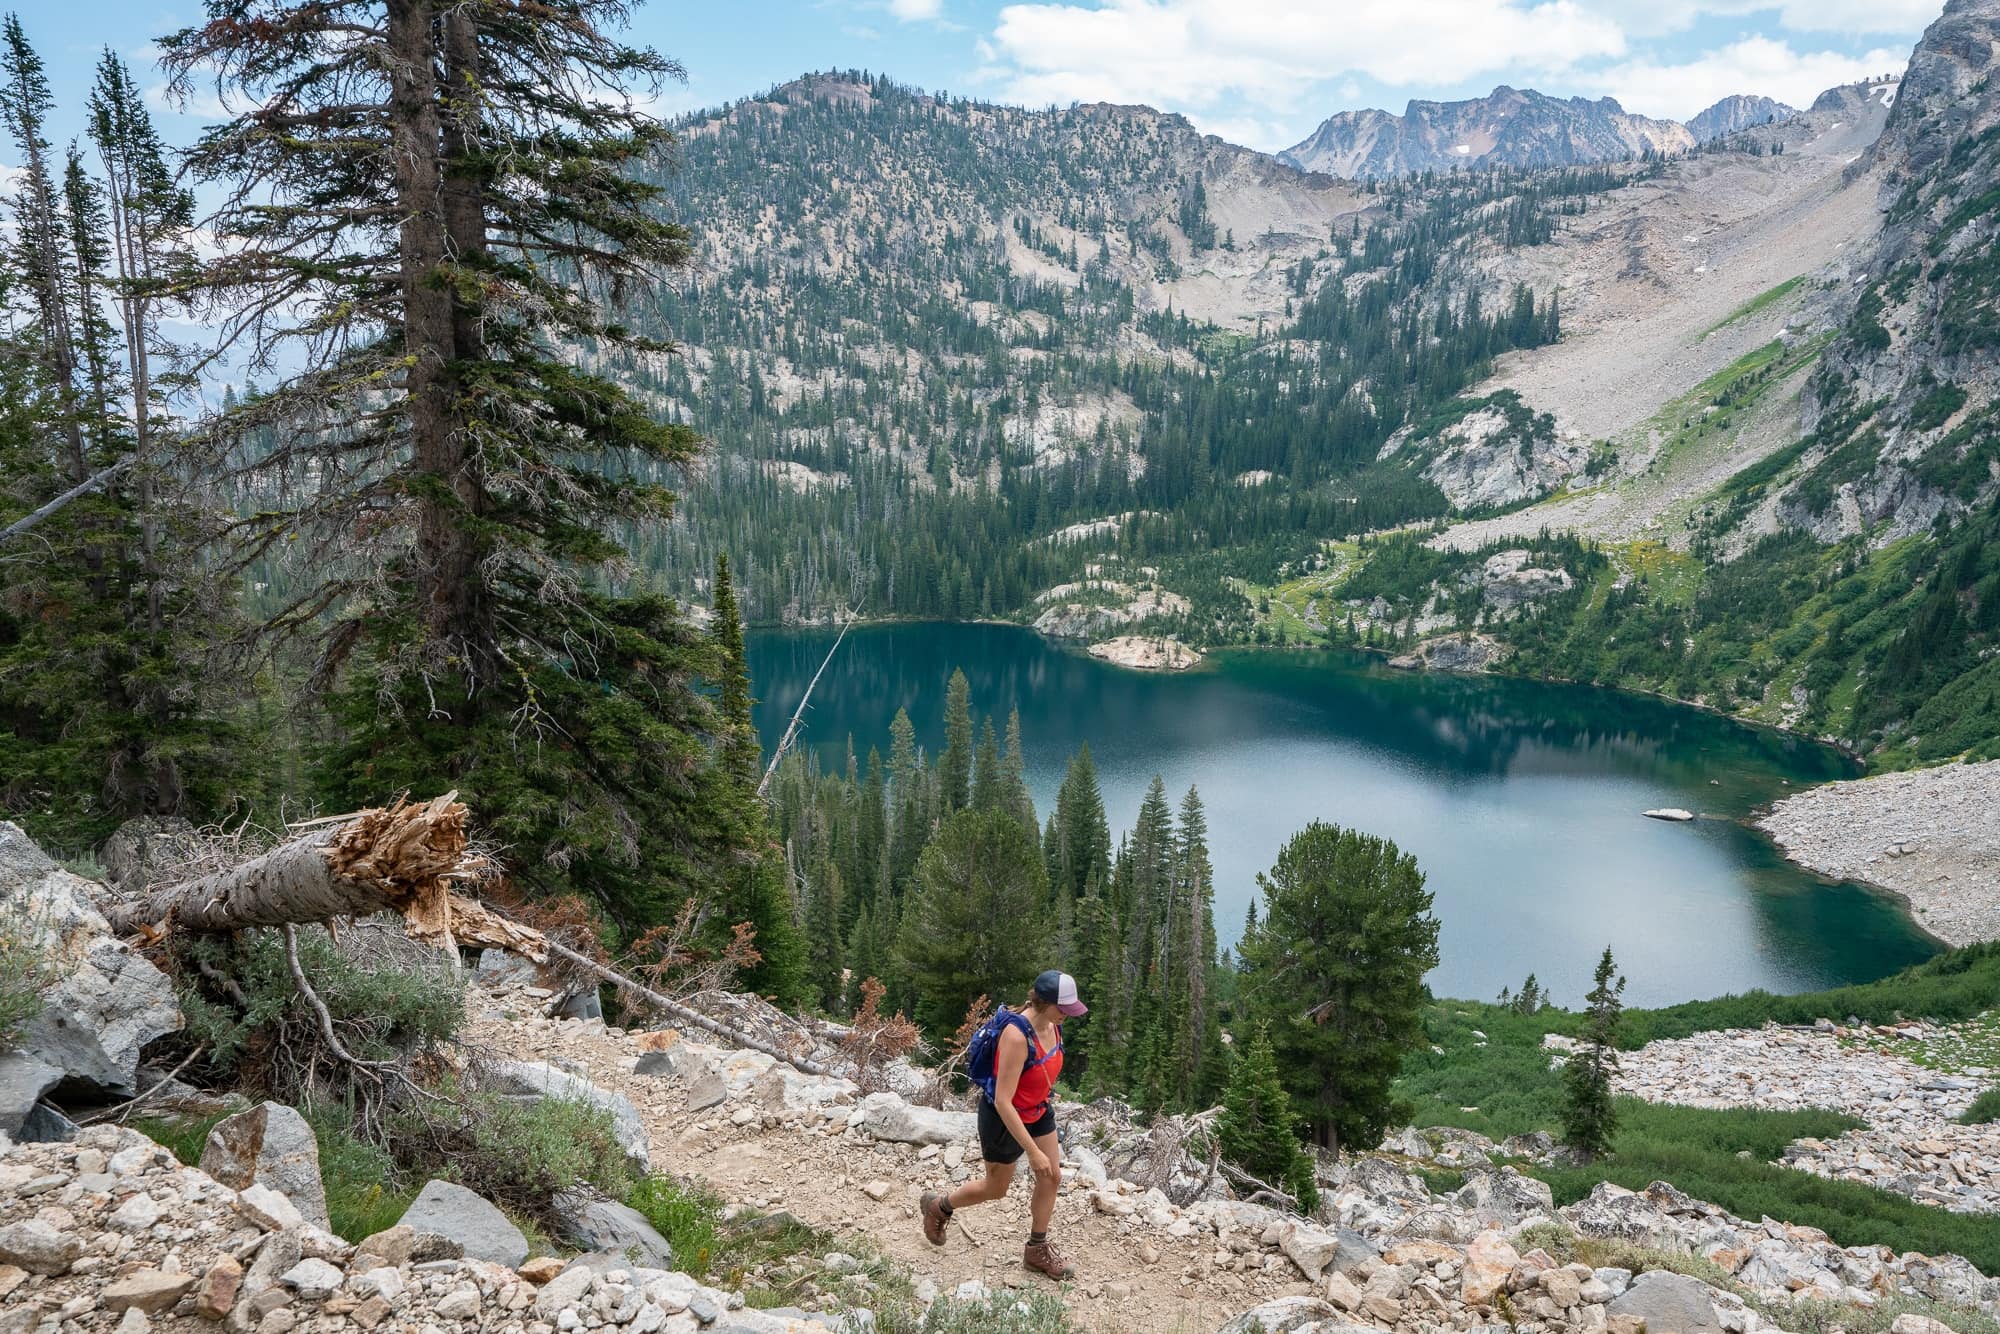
403, 858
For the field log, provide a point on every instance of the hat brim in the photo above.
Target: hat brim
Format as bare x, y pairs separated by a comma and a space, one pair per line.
1074, 1008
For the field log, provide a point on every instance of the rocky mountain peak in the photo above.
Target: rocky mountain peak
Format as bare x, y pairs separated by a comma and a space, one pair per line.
1507, 127
1737, 112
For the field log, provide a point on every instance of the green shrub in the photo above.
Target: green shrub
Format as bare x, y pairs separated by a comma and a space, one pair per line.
1030, 1312
689, 1218
238, 997
1986, 1107
520, 1155
365, 1193
25, 970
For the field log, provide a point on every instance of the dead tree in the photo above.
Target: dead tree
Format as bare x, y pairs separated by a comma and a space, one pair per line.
404, 858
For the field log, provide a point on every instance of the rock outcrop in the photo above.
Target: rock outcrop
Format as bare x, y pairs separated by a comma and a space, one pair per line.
105, 1004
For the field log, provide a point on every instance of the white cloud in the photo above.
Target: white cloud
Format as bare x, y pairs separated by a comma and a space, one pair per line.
1267, 54
1652, 18
911, 11
1753, 65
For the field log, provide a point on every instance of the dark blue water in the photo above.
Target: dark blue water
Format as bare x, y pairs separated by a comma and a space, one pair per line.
1521, 800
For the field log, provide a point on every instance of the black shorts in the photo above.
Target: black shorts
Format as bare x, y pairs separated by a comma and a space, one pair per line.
997, 1143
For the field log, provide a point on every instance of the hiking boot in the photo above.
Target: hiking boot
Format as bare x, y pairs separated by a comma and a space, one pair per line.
935, 1218
1043, 1259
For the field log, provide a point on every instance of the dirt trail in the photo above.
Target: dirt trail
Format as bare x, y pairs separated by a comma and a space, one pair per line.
1130, 1276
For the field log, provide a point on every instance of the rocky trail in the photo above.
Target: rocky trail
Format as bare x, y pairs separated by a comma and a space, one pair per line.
768, 1141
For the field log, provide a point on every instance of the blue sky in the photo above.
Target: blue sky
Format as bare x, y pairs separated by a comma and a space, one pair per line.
1260, 72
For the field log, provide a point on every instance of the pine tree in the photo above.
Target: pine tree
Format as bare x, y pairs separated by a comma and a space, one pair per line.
1337, 968
754, 890
426, 218
824, 946
1014, 773
110, 704
978, 920
1081, 847
989, 792
1198, 1028
1257, 1129
955, 764
1589, 1116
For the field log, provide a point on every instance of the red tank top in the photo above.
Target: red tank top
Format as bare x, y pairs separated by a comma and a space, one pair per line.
1031, 1095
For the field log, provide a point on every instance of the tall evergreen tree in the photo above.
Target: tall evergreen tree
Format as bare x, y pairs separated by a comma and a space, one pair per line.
1337, 969
754, 890
978, 923
430, 202
989, 790
955, 764
1082, 847
109, 705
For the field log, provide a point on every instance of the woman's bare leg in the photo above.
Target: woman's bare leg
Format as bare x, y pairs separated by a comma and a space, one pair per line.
993, 1186
1042, 1207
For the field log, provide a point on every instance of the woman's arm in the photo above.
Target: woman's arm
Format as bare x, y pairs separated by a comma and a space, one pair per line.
1011, 1055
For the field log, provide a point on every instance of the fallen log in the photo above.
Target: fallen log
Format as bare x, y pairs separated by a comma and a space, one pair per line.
404, 858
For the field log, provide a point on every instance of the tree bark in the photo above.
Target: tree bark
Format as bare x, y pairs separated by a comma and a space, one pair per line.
403, 858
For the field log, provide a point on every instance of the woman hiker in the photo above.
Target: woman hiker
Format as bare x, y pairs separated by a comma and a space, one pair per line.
1017, 1117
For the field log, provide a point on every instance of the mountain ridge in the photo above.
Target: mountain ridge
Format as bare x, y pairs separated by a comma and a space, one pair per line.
1512, 127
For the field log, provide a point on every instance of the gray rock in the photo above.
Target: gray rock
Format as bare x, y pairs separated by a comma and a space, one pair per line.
270, 1145
46, 1125
500, 967
1672, 1303
1503, 1198
1535, 1144
1614, 1212
606, 1225
108, 1001
534, 1080
887, 1116
38, 1248
1285, 1315
1354, 1251
455, 1213
583, 1005
705, 1086
24, 1078
135, 856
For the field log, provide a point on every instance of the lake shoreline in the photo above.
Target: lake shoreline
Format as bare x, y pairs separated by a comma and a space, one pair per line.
1510, 790
1927, 837
1848, 850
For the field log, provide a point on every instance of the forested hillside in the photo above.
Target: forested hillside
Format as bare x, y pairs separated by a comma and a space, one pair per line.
936, 342
1846, 582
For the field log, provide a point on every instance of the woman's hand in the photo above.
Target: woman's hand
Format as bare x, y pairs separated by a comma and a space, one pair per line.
1040, 1162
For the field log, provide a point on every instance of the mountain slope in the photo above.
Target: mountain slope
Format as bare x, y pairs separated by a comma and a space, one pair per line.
949, 352
1509, 127
1812, 535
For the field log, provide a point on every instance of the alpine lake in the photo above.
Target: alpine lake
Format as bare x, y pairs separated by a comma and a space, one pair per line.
1521, 800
